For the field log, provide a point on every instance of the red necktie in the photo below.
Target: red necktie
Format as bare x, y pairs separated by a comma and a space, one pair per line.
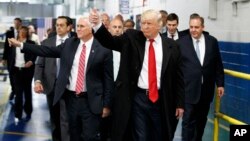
80, 74
152, 80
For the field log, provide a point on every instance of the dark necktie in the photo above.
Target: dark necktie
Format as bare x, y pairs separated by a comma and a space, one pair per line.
80, 74
152, 80
172, 36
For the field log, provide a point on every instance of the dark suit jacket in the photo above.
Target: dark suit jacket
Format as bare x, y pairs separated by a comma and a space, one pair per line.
7, 53
45, 69
132, 47
99, 73
211, 71
27, 56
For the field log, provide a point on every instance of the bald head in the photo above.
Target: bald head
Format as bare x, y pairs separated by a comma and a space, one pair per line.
116, 27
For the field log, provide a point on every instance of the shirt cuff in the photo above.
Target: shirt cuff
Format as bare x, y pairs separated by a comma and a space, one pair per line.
38, 81
97, 27
21, 45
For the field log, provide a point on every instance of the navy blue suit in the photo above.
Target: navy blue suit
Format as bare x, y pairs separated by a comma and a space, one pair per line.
200, 83
99, 83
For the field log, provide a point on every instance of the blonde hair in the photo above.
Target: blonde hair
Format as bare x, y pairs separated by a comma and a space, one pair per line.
152, 14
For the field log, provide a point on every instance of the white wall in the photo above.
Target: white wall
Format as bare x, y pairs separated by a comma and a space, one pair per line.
231, 28
111, 7
225, 27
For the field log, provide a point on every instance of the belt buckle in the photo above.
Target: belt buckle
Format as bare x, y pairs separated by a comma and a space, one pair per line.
77, 95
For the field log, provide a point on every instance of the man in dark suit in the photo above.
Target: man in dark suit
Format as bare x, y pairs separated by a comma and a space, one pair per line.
85, 80
172, 30
136, 111
202, 68
46, 72
7, 55
22, 66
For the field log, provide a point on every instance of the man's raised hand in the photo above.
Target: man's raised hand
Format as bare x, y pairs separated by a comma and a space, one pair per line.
94, 17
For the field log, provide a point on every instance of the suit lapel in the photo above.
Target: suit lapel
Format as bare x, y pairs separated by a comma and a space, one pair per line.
193, 52
165, 55
207, 47
91, 55
72, 50
141, 47
53, 43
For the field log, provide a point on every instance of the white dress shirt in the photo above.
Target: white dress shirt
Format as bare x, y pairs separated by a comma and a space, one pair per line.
74, 69
116, 63
201, 47
143, 78
19, 60
176, 36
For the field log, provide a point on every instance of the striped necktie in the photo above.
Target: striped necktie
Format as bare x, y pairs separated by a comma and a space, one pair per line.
80, 75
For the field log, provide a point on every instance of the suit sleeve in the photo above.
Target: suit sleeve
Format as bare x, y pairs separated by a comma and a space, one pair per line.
39, 68
6, 47
109, 41
31, 56
219, 67
41, 50
179, 80
108, 79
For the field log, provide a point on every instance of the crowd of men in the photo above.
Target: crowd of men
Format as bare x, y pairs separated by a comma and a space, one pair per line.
109, 81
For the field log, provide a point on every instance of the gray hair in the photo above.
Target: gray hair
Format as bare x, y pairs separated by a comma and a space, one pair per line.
86, 19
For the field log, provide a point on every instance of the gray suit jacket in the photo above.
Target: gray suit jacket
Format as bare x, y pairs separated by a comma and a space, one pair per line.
46, 68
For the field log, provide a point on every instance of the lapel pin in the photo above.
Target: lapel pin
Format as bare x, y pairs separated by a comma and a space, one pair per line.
93, 51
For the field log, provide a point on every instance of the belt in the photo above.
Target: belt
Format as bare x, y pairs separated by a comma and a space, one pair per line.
144, 91
19, 68
82, 94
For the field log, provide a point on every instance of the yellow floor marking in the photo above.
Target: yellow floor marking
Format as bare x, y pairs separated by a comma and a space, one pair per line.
25, 134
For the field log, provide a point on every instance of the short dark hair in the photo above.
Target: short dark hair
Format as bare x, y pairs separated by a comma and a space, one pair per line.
194, 15
69, 21
131, 21
197, 16
172, 17
164, 12
18, 19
